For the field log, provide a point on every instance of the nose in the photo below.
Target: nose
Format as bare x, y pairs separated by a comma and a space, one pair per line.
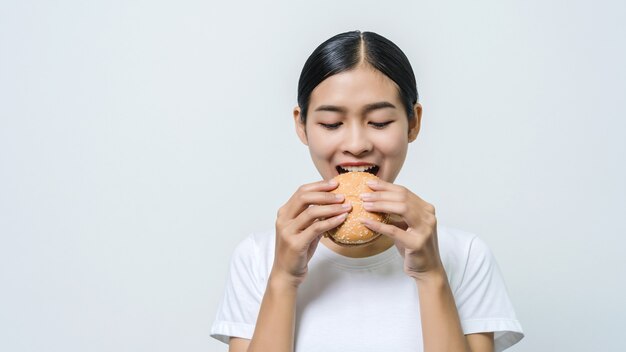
356, 141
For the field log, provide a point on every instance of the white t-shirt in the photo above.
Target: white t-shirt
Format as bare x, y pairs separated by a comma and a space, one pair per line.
372, 300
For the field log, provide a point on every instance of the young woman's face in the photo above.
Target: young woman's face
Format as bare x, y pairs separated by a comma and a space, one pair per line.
356, 117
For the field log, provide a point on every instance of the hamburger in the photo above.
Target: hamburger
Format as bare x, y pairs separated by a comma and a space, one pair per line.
352, 232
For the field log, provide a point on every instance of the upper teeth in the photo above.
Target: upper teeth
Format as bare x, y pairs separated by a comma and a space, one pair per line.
357, 168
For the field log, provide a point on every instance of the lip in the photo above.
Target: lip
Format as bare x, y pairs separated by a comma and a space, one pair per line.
358, 163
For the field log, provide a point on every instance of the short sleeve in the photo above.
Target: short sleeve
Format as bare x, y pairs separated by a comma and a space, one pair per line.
482, 299
237, 312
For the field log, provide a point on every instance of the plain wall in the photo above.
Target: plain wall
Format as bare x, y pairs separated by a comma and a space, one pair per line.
140, 141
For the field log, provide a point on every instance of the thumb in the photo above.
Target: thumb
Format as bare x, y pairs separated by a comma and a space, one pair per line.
397, 221
313, 246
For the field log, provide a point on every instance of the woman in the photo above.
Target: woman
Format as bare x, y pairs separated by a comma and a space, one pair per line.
420, 287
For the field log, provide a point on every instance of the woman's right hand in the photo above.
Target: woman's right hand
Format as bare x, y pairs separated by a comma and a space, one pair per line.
300, 224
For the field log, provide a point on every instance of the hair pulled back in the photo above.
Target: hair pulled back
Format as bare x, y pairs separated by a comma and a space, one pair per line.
344, 52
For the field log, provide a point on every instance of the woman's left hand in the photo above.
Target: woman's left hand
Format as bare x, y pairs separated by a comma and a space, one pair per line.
413, 226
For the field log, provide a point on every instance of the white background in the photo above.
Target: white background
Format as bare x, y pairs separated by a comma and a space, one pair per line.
140, 141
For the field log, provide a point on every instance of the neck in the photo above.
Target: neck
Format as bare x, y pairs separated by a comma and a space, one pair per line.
379, 245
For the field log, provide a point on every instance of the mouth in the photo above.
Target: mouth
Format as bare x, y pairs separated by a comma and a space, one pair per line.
372, 169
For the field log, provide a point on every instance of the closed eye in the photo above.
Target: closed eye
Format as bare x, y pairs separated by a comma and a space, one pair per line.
330, 126
380, 124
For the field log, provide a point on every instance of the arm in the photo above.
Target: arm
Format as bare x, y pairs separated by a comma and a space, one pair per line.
274, 329
441, 325
276, 322
481, 342
238, 344
413, 227
299, 227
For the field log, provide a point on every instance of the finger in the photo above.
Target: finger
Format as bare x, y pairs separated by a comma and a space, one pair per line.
310, 215
309, 194
398, 235
317, 228
320, 198
409, 215
382, 185
383, 196
379, 185
322, 185
304, 201
398, 208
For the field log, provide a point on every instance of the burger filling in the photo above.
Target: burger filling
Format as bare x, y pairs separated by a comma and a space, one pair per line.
372, 169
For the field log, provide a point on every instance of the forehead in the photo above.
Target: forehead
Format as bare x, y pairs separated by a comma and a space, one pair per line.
354, 88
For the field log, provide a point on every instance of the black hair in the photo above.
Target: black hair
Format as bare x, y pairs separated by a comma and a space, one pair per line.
345, 51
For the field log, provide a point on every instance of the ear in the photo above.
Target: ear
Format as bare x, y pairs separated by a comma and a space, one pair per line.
415, 123
300, 127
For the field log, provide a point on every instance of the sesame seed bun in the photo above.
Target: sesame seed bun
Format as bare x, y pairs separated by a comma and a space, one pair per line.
352, 232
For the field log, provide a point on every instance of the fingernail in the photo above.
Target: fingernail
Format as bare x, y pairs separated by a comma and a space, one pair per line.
332, 183
368, 205
346, 206
366, 196
372, 183
339, 196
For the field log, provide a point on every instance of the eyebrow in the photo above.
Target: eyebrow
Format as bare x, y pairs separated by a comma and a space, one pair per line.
367, 108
